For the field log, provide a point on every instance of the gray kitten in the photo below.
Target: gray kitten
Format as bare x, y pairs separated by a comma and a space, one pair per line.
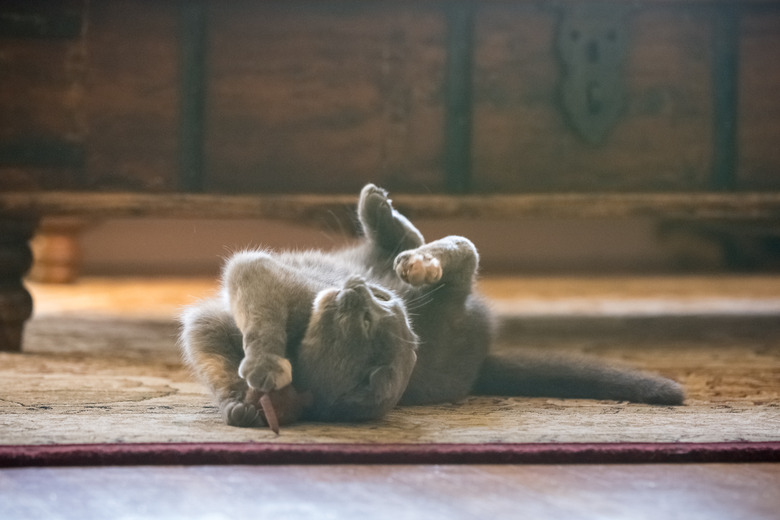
348, 335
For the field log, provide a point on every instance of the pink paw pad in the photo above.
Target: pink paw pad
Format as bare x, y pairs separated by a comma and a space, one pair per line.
419, 269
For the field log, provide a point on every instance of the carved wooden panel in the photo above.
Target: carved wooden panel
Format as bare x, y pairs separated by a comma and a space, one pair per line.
592, 45
660, 141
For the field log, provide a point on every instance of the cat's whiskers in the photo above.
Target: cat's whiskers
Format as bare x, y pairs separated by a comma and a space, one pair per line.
404, 340
340, 231
418, 304
422, 299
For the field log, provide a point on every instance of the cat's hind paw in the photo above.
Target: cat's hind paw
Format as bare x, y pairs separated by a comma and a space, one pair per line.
372, 193
416, 268
374, 208
237, 413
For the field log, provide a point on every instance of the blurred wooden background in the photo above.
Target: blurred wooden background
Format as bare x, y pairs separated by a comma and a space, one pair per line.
446, 96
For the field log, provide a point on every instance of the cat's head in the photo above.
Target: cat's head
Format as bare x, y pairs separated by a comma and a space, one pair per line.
358, 352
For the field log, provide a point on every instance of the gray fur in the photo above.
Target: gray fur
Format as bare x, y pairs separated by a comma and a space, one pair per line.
390, 320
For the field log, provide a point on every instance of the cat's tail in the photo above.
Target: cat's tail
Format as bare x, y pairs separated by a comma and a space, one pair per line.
523, 373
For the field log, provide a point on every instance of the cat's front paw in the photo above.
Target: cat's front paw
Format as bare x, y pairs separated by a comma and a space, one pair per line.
266, 372
416, 268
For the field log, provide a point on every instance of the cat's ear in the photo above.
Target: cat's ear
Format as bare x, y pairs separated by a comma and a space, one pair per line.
382, 380
373, 398
387, 382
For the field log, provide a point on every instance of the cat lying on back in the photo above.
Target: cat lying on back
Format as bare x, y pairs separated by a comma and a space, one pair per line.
348, 335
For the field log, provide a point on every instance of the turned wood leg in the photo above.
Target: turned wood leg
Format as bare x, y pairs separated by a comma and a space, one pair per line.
15, 301
56, 250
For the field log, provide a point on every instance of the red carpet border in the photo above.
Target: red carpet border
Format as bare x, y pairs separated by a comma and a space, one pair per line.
278, 453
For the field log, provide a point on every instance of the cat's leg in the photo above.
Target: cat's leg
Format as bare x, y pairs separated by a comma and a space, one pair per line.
211, 345
259, 301
454, 327
384, 226
451, 260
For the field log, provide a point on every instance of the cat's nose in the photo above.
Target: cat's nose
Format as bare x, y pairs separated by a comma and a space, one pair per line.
354, 292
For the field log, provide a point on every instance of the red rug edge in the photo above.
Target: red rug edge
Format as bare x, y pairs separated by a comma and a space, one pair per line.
131, 454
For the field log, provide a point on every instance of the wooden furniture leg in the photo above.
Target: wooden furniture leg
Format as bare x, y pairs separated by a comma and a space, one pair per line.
15, 301
56, 250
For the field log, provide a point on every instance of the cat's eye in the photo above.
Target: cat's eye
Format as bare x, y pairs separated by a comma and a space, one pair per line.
382, 296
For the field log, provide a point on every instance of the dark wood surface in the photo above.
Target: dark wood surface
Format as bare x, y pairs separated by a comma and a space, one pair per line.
712, 206
322, 98
299, 97
690, 491
42, 63
132, 86
759, 82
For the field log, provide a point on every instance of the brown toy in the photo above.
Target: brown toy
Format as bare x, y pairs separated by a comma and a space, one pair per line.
283, 406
